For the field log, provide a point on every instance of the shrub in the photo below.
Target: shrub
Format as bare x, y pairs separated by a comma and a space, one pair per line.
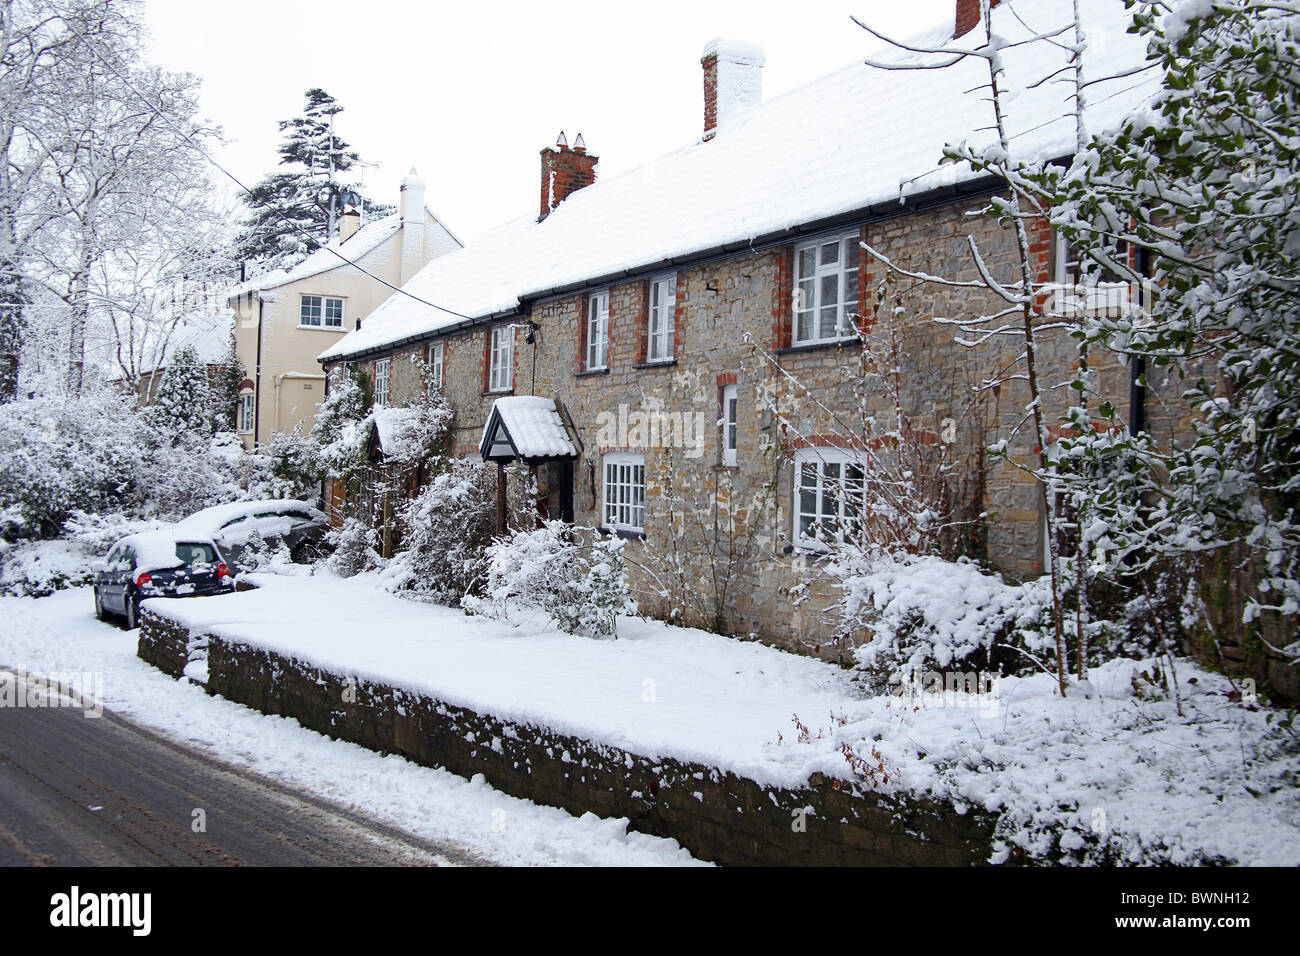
583, 588
447, 530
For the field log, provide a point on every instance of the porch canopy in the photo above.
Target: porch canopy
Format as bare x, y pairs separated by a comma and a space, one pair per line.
526, 428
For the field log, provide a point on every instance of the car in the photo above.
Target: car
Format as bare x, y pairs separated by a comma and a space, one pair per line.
235, 528
157, 564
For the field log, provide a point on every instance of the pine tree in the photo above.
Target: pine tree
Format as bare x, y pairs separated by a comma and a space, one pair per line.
182, 407
304, 197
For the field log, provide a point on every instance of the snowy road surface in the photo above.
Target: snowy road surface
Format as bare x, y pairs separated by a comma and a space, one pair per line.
58, 635
79, 791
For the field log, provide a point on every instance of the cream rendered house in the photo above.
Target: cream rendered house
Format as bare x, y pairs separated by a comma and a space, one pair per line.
283, 320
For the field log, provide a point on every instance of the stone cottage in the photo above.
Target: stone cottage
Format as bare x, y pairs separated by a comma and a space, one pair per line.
721, 360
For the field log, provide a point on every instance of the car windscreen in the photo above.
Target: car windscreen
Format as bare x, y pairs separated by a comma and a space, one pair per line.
196, 552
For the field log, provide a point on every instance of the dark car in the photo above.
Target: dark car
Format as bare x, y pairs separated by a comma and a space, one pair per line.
242, 525
157, 564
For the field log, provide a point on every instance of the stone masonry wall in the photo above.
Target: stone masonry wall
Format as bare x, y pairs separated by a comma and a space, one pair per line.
718, 549
716, 815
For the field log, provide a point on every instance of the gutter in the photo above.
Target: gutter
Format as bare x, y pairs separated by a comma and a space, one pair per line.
879, 212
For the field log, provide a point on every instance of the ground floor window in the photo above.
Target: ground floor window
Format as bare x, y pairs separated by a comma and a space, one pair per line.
624, 492
829, 495
247, 411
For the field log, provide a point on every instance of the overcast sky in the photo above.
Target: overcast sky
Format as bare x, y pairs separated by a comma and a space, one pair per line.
468, 93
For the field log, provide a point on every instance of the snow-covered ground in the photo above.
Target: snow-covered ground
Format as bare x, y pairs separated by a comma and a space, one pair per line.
1113, 772
58, 635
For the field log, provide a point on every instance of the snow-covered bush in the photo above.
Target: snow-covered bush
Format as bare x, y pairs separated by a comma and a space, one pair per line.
183, 404
337, 441
39, 568
58, 456
446, 531
355, 548
924, 613
583, 588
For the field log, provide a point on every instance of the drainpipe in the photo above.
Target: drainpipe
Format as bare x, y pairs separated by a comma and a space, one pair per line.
257, 382
1137, 395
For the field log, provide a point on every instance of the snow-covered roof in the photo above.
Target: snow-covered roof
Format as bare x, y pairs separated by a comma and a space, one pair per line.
533, 426
859, 138
366, 239
393, 427
206, 523
209, 335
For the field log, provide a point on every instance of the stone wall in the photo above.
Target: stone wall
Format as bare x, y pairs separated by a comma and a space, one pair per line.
163, 643
716, 815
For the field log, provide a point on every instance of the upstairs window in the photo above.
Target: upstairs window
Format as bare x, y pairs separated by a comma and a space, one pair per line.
381, 381
829, 496
597, 356
1088, 288
624, 492
321, 312
825, 289
435, 365
663, 305
729, 412
501, 359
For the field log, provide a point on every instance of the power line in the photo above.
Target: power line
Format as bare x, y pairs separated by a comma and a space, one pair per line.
188, 137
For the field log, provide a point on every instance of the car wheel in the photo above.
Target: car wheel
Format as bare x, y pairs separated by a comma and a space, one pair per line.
100, 615
132, 613
306, 552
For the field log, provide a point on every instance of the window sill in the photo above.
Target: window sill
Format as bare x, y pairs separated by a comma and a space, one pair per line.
321, 328
626, 533
591, 371
660, 363
848, 340
498, 392
808, 550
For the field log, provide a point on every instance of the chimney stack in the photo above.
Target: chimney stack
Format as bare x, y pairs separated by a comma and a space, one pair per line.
968, 16
733, 80
412, 210
564, 171
349, 223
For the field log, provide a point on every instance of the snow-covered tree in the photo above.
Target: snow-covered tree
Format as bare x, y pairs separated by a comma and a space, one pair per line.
1197, 202
293, 211
182, 405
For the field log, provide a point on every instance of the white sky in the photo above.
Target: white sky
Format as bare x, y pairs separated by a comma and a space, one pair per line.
469, 93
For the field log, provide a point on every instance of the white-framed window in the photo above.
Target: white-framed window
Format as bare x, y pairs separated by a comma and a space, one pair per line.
663, 305
501, 359
597, 330
825, 288
730, 404
382, 367
321, 312
1100, 293
247, 412
829, 495
624, 492
435, 365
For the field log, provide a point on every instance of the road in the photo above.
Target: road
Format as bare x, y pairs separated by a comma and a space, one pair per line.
82, 791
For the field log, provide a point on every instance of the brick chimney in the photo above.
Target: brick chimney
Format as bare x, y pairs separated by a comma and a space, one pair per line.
411, 206
564, 171
733, 80
968, 16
